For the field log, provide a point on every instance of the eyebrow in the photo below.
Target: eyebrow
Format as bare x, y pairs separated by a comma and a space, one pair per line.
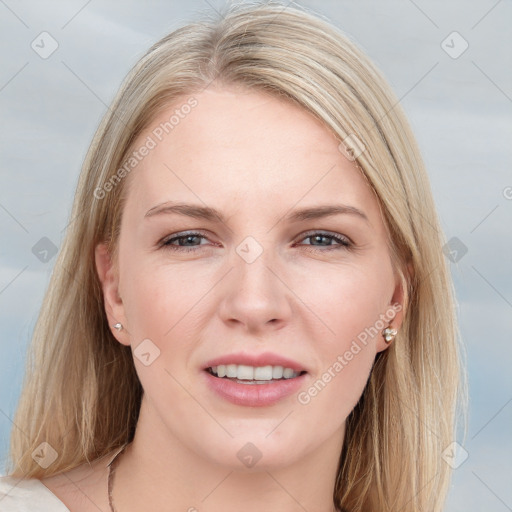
211, 214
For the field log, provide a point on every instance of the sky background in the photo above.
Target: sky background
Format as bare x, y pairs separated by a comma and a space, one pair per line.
458, 100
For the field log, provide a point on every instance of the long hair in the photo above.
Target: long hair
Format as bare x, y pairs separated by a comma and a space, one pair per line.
81, 394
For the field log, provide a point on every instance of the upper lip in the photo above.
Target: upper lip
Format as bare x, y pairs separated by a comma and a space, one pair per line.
263, 359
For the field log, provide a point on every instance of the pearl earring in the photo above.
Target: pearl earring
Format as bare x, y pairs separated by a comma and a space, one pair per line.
118, 326
389, 334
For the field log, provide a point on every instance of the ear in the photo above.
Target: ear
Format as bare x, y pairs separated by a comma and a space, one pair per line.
113, 303
395, 311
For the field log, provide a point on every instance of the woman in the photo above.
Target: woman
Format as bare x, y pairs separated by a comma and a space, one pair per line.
251, 306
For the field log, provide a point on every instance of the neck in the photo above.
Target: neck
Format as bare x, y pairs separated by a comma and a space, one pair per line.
157, 472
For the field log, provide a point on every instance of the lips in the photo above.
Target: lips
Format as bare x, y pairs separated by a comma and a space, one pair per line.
254, 380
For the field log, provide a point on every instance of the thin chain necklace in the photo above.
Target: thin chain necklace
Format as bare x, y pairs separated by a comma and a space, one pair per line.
110, 480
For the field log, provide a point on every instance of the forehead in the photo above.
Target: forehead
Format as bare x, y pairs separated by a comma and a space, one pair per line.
249, 148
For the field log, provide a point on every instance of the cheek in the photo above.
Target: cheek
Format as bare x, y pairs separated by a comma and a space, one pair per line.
348, 304
334, 393
346, 300
346, 362
162, 299
163, 306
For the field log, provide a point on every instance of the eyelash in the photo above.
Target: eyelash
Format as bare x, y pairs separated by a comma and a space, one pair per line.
344, 242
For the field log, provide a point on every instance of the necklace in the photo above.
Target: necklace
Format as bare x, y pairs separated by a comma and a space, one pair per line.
110, 480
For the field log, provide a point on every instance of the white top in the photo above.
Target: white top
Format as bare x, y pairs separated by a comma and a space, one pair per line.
31, 495
28, 495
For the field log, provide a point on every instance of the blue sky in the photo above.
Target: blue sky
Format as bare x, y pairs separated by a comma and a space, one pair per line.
459, 106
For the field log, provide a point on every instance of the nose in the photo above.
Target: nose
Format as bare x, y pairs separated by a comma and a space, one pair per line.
254, 298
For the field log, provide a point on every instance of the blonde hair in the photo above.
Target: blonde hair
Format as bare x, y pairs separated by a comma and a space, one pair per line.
81, 393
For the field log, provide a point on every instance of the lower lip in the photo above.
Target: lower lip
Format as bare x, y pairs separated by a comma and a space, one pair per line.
254, 395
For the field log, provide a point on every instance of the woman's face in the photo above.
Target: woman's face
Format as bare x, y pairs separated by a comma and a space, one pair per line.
248, 238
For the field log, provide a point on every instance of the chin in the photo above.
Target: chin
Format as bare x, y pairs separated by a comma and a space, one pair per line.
253, 451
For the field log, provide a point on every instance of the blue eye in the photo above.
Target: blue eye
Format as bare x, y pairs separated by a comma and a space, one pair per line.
319, 240
186, 242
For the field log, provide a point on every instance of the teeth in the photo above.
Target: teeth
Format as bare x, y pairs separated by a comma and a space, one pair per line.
277, 372
231, 370
245, 372
263, 373
258, 373
288, 373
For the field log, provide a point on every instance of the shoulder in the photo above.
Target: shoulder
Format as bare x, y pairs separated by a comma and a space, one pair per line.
81, 489
27, 495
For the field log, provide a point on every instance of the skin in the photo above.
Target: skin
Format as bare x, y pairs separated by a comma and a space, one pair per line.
255, 159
